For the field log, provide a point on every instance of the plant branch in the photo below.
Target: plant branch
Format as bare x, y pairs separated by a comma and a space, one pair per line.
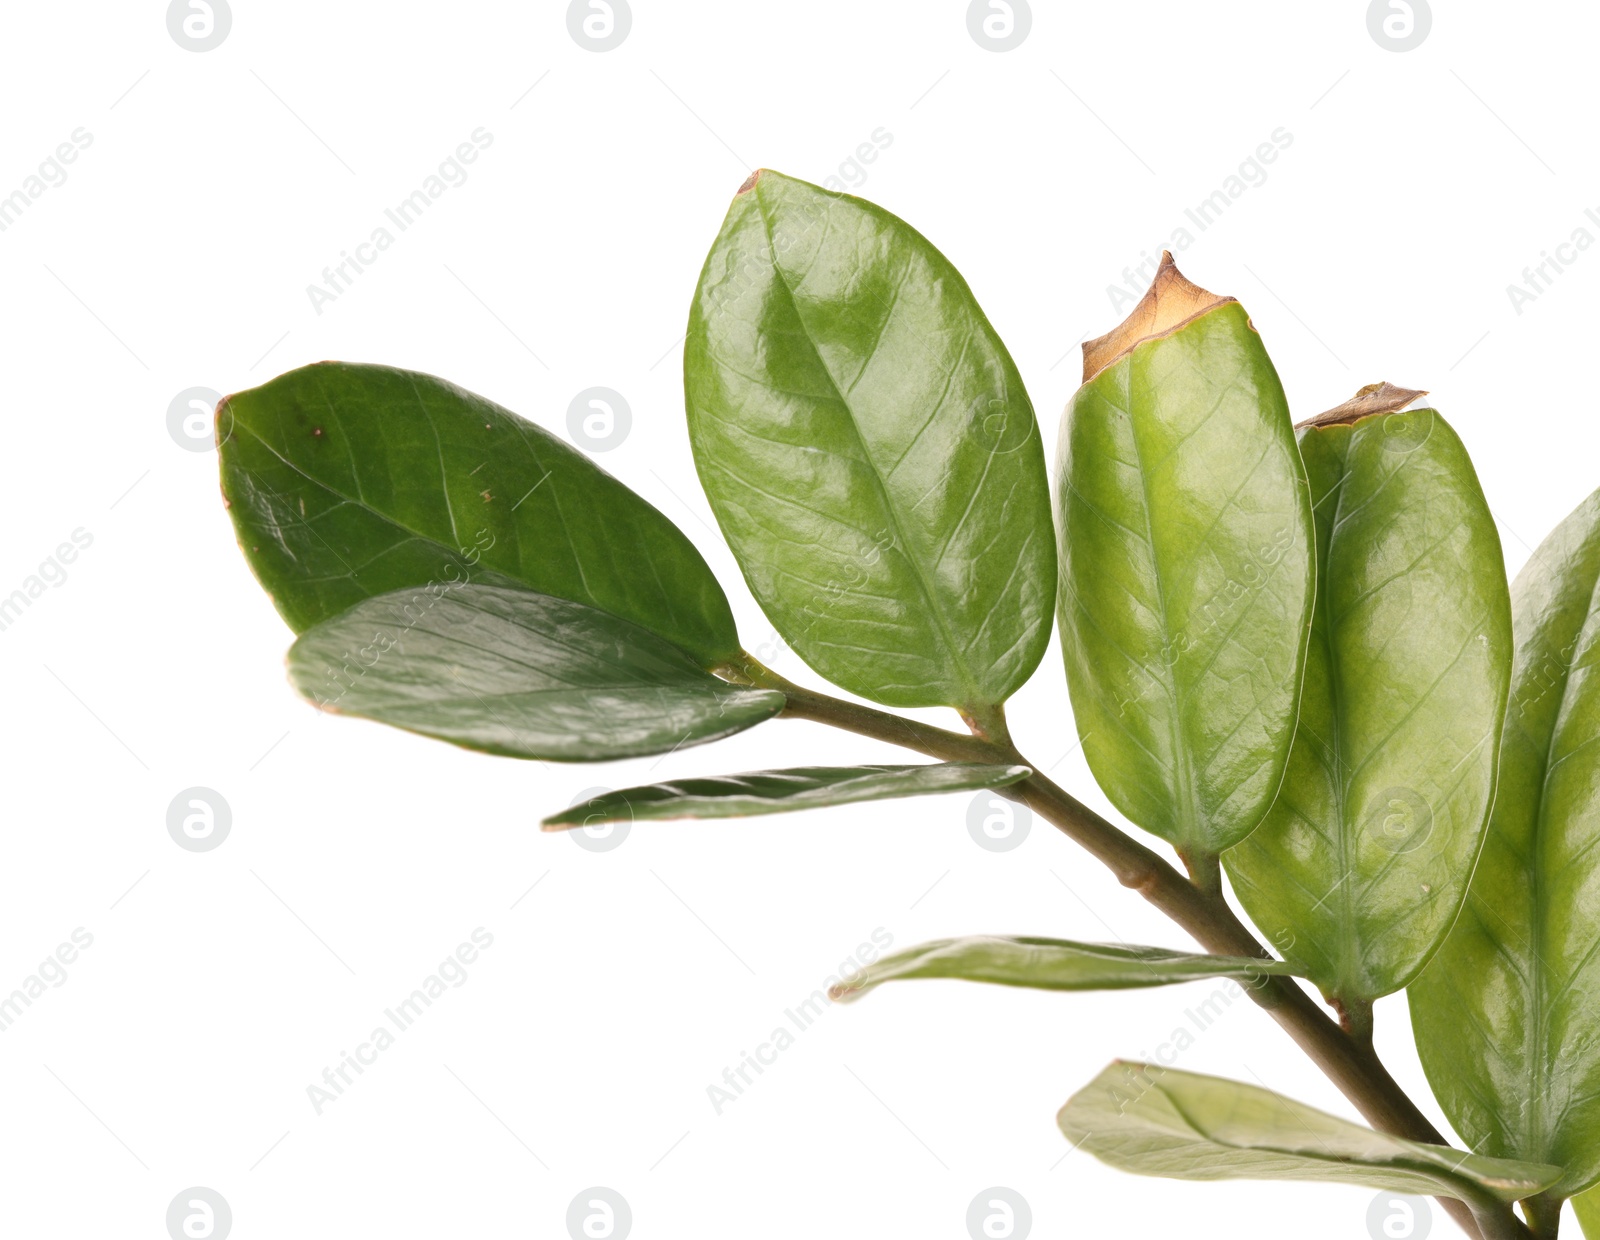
1544, 1215
1349, 1062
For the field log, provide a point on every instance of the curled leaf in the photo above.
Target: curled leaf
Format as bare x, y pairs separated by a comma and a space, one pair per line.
781, 792
1151, 1120
1052, 964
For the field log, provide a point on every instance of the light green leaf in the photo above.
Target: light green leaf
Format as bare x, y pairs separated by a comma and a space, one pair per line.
348, 481
781, 792
1186, 568
1052, 964
1507, 1014
1360, 867
1587, 1207
1158, 1121
516, 673
869, 450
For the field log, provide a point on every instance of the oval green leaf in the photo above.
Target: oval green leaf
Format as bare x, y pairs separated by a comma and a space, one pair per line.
347, 481
1051, 964
1360, 867
519, 674
1507, 1014
1186, 568
782, 792
869, 450
1158, 1121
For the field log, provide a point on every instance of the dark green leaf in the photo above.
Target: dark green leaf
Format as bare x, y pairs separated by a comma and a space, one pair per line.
1507, 1015
869, 450
1159, 1121
1186, 567
348, 481
515, 673
1052, 964
1362, 864
781, 792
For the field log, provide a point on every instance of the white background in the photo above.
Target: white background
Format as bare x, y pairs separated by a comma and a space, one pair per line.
178, 252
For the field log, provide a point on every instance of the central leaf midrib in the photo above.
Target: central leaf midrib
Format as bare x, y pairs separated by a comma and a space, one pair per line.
1348, 951
1182, 767
953, 649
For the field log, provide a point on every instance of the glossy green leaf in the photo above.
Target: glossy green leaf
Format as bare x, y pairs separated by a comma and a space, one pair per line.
1360, 867
348, 481
869, 450
1186, 568
1052, 964
782, 792
1507, 1014
1587, 1207
1158, 1121
516, 673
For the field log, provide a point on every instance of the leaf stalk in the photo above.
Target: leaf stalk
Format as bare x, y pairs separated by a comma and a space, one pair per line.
1348, 1060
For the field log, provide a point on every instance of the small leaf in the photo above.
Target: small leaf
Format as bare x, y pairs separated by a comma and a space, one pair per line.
1186, 567
1507, 1014
780, 792
869, 450
520, 674
1052, 964
348, 481
1159, 1121
1362, 863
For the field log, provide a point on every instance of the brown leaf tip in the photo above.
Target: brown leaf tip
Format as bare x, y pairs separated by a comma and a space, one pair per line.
1370, 401
1169, 303
749, 182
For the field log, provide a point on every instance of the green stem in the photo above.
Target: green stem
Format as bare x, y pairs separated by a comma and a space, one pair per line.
1349, 1063
988, 723
1498, 1221
1205, 872
1544, 1215
1355, 1018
